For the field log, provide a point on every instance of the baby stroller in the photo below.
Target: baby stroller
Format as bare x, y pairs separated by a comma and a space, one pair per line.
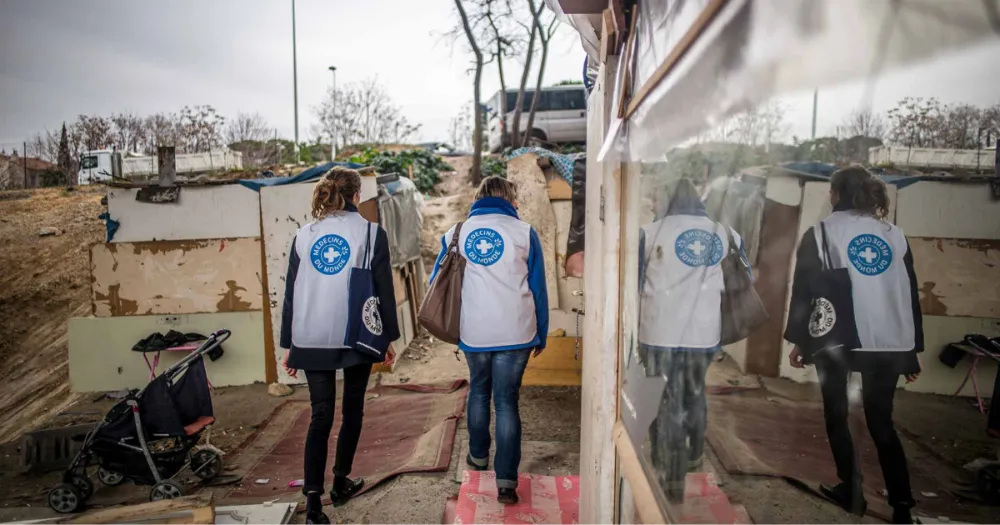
149, 436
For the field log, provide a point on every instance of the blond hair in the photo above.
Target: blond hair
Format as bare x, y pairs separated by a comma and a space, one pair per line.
495, 186
334, 191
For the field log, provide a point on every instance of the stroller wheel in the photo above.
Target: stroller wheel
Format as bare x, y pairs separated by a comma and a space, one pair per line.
110, 477
206, 464
165, 489
83, 483
65, 498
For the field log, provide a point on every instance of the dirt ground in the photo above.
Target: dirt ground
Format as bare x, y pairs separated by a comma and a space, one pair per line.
43, 282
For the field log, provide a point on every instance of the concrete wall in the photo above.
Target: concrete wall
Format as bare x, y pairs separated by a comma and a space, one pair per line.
952, 210
202, 212
101, 356
176, 277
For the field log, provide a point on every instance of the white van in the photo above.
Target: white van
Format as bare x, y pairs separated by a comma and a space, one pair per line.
561, 116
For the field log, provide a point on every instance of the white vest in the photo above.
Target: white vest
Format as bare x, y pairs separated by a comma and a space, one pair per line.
681, 294
873, 251
498, 308
327, 251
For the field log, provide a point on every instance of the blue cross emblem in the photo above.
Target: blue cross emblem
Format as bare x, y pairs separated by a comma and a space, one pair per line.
697, 247
484, 246
869, 254
330, 254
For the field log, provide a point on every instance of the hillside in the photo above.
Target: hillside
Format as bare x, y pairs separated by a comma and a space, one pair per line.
43, 282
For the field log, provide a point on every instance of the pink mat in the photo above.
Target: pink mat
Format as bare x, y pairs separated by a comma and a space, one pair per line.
543, 499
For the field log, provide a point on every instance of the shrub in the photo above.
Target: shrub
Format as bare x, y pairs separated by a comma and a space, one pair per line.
427, 166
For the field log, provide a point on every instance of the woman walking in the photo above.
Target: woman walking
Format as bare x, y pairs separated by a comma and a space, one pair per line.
889, 327
505, 315
680, 326
314, 325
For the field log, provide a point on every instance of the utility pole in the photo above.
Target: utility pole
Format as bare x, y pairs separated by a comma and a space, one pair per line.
333, 145
24, 157
815, 104
295, 85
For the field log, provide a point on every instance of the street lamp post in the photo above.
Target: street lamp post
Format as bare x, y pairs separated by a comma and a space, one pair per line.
295, 85
333, 145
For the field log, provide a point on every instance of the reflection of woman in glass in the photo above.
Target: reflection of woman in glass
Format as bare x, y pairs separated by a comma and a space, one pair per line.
680, 325
889, 326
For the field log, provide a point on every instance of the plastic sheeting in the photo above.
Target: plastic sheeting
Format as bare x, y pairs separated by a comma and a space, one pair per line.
307, 175
758, 49
399, 213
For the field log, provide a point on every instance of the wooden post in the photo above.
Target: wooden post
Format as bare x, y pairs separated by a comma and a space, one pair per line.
167, 159
599, 391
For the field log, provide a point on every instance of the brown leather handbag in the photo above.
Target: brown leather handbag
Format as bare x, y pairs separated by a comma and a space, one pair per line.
742, 309
441, 311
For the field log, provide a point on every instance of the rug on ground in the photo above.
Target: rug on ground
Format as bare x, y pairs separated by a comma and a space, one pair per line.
407, 428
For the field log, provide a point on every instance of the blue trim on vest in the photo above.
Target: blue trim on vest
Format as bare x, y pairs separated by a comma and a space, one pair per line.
532, 344
490, 205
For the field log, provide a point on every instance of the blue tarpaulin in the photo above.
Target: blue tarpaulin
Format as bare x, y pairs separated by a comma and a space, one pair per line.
823, 171
307, 175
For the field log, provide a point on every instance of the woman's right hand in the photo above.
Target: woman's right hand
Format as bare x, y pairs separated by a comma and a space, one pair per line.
795, 358
293, 373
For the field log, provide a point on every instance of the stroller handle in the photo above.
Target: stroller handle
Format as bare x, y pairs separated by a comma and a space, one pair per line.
217, 338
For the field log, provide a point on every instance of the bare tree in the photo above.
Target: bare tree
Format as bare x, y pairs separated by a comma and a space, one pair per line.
516, 137
161, 129
200, 129
460, 128
248, 134
545, 36
915, 122
477, 148
128, 132
960, 127
865, 123
365, 113
94, 133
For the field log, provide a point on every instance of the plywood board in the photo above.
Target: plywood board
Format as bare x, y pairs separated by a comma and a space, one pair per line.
176, 277
398, 285
958, 277
101, 356
285, 209
211, 212
558, 365
950, 210
559, 189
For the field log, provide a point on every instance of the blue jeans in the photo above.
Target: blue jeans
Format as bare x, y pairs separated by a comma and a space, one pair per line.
499, 374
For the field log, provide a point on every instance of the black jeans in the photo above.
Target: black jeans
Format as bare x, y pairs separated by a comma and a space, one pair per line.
322, 397
878, 391
677, 436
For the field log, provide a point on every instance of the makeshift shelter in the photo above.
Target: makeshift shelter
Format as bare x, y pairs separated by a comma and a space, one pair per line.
213, 254
668, 71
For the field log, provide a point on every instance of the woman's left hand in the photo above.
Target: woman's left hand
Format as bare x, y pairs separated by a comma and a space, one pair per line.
390, 355
913, 377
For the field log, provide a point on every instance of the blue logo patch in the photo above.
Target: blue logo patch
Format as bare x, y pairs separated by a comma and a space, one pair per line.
484, 246
869, 254
698, 248
329, 254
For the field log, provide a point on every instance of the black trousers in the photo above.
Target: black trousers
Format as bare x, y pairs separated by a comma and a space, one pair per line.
878, 391
322, 397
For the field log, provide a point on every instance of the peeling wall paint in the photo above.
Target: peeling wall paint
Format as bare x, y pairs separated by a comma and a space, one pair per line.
959, 278
176, 277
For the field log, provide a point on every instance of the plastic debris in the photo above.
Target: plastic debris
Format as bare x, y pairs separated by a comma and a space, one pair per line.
263, 481
296, 483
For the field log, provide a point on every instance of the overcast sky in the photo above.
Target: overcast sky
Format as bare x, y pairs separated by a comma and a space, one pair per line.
59, 59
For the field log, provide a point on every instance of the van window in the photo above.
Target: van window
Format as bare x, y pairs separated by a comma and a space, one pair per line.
88, 162
563, 100
525, 105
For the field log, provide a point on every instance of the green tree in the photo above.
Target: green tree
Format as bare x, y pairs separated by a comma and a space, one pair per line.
65, 160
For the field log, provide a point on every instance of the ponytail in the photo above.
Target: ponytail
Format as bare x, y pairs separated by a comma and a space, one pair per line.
861, 191
334, 191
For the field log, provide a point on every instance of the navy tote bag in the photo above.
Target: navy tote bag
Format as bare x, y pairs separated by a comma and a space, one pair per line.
364, 322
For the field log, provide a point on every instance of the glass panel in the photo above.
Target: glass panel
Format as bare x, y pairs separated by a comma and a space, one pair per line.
88, 162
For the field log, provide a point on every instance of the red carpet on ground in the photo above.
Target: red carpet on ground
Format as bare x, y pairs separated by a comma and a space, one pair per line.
407, 428
543, 499
784, 438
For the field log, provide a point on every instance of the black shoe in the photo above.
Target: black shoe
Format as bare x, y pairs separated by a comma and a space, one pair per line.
844, 497
473, 466
315, 516
344, 489
901, 515
695, 465
507, 496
